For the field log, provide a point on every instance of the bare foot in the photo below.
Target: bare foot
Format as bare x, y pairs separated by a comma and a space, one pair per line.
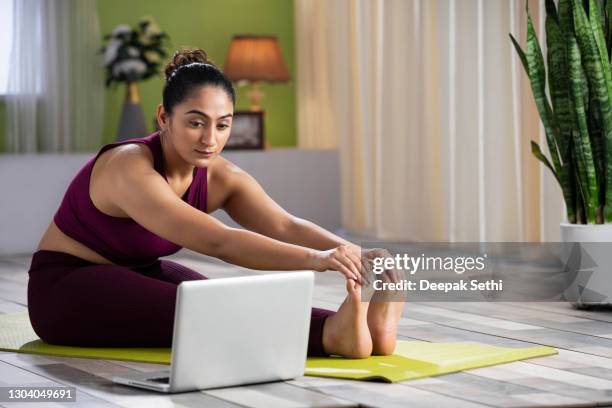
384, 314
346, 333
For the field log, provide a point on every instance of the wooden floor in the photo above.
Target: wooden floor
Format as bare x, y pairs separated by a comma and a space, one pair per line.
580, 375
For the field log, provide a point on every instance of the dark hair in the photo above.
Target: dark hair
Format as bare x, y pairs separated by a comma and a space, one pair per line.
188, 70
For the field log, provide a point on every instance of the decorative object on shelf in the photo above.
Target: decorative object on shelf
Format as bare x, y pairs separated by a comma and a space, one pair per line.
132, 55
255, 59
578, 125
247, 131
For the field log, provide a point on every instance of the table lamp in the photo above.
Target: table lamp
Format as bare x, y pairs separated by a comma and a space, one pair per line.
254, 59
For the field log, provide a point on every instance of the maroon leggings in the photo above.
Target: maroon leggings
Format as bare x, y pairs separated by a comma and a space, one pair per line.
74, 302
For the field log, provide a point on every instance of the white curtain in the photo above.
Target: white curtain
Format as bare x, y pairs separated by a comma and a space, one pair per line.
432, 115
55, 95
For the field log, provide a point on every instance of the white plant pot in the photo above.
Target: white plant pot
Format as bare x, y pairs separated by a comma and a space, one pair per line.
598, 289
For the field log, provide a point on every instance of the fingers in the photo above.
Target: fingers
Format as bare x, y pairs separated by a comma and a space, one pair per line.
364, 263
345, 264
389, 275
368, 268
352, 260
337, 265
361, 261
349, 261
366, 271
359, 266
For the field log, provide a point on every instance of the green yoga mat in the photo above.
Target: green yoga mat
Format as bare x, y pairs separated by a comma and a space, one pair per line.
411, 360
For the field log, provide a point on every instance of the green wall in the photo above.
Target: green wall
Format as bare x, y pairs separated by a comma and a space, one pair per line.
210, 25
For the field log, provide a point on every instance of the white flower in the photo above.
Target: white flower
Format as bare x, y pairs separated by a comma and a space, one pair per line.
110, 52
121, 29
133, 52
129, 66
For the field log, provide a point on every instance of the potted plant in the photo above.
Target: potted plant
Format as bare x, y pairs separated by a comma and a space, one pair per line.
132, 55
578, 125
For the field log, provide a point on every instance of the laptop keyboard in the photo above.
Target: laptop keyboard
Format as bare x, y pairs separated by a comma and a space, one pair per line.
164, 380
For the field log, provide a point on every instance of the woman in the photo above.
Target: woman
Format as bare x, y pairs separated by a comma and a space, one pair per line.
96, 279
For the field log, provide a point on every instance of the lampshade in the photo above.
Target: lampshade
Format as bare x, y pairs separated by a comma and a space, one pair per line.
256, 58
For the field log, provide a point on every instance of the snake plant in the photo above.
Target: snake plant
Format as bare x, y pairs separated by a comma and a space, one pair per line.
577, 110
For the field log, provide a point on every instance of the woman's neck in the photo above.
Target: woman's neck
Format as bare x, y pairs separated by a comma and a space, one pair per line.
175, 167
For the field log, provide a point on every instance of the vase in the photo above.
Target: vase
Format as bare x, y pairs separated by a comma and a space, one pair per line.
132, 121
593, 287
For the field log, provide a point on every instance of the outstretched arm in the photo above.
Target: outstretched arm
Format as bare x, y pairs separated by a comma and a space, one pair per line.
135, 187
250, 206
306, 233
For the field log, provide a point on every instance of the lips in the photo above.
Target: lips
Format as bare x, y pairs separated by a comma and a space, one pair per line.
204, 153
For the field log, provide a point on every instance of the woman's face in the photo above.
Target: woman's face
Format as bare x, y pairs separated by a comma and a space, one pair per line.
199, 127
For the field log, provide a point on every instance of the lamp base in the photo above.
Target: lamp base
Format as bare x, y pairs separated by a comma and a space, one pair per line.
255, 95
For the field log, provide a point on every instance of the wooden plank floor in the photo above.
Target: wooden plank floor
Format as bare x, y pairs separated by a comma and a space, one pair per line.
579, 376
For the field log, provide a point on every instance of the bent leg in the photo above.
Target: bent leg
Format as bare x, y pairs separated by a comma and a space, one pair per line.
75, 302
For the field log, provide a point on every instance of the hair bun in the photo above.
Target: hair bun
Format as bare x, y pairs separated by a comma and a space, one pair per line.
183, 57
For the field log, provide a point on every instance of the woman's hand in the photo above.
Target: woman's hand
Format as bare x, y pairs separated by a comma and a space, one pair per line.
367, 260
345, 259
354, 262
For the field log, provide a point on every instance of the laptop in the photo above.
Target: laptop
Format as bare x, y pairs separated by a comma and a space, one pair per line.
235, 331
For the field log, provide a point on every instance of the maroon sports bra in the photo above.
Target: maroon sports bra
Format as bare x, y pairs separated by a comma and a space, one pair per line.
121, 240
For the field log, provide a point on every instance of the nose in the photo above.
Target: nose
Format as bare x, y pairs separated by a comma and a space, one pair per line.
209, 136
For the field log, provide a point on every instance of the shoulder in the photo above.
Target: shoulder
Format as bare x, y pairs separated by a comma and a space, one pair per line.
129, 152
126, 160
225, 173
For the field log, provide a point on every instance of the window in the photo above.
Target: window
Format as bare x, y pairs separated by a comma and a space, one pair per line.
6, 39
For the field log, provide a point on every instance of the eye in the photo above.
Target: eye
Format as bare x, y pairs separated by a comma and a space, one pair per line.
196, 123
222, 126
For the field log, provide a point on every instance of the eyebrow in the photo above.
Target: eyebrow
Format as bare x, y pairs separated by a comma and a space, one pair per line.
228, 115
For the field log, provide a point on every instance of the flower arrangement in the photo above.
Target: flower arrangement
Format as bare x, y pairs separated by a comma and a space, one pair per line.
134, 54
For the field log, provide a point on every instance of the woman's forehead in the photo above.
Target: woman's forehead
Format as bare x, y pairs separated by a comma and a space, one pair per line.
212, 101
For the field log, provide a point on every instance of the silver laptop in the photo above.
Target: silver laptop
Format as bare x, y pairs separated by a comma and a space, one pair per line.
235, 331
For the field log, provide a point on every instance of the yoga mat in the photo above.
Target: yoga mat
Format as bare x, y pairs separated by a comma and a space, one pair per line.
419, 359
411, 360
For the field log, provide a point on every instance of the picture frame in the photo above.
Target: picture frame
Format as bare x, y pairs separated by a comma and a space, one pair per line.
247, 131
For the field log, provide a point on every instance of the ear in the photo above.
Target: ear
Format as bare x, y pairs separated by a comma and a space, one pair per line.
161, 117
